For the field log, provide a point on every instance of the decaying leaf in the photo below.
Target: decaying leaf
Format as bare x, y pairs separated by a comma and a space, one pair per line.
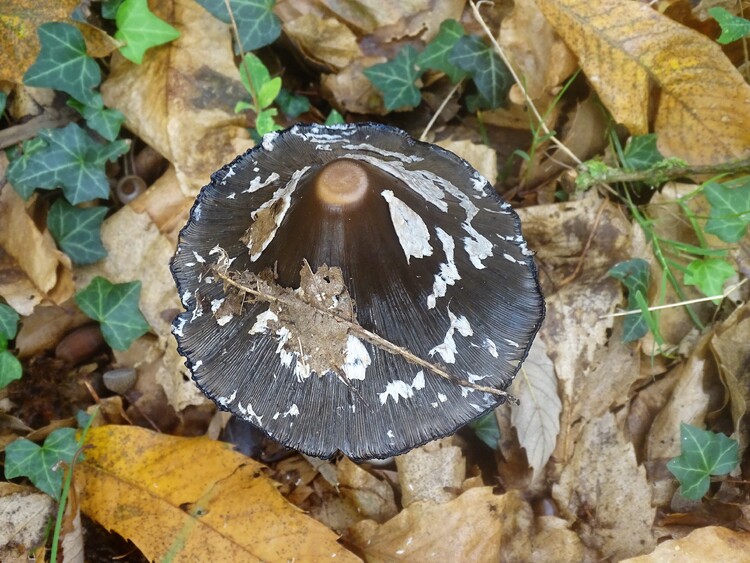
24, 513
432, 473
181, 100
715, 542
537, 417
194, 498
605, 489
625, 48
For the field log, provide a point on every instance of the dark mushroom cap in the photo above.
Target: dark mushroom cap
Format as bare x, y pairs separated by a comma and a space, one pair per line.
349, 288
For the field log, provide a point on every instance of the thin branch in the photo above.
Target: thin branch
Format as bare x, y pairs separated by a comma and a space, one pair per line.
365, 334
520, 84
439, 110
658, 175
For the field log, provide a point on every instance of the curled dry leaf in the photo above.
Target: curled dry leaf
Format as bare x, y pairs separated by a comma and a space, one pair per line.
478, 526
181, 100
433, 472
714, 542
194, 498
627, 49
325, 41
372, 497
34, 270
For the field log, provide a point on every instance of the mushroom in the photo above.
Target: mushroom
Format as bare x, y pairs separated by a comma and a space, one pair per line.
350, 288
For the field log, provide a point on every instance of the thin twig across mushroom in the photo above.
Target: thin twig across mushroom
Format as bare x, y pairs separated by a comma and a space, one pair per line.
349, 288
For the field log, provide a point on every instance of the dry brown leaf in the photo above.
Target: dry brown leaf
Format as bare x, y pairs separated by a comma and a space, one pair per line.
373, 498
604, 489
537, 417
351, 90
480, 156
46, 326
24, 517
433, 472
703, 109
181, 99
478, 526
195, 499
555, 541
712, 543
535, 51
730, 346
324, 40
33, 270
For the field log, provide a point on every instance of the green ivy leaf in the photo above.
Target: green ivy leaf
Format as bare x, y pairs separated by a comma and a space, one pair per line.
140, 29
77, 231
436, 54
71, 159
730, 208
257, 24
62, 63
641, 152
8, 322
486, 429
709, 275
634, 275
704, 453
115, 306
10, 369
291, 104
264, 122
24, 458
491, 76
109, 8
334, 118
19, 163
732, 27
105, 121
395, 79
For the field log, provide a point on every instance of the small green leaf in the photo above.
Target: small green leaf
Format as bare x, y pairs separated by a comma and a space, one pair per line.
256, 79
24, 458
634, 275
8, 322
641, 152
730, 208
436, 54
291, 104
264, 122
3, 100
105, 121
10, 369
242, 106
709, 275
732, 27
334, 118
77, 231
491, 76
115, 306
140, 29
704, 453
395, 79
486, 429
267, 92
257, 24
62, 63
72, 160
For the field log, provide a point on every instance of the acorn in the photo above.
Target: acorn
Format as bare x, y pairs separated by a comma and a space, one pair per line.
348, 288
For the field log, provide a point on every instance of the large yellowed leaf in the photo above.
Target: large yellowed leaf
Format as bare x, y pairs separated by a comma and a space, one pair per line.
702, 103
194, 499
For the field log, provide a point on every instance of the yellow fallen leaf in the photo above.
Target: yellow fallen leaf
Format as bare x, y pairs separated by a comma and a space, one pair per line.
636, 57
194, 499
